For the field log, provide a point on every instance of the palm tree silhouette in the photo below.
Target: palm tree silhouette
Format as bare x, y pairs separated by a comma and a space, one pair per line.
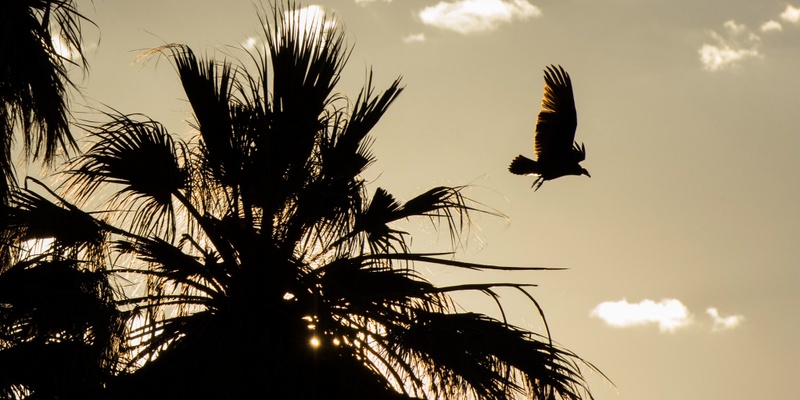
58, 321
253, 261
34, 79
557, 152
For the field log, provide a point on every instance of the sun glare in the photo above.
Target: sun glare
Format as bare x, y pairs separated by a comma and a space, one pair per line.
35, 247
63, 48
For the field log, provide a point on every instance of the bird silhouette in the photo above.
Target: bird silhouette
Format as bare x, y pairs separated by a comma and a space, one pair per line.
557, 152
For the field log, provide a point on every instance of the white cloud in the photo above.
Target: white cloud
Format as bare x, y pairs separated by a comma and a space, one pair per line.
414, 38
771, 25
669, 314
715, 58
472, 16
311, 20
723, 323
791, 14
738, 44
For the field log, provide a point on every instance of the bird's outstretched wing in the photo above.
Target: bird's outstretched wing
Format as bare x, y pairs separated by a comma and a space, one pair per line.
555, 127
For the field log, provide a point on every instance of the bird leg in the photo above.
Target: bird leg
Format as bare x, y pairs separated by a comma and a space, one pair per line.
537, 183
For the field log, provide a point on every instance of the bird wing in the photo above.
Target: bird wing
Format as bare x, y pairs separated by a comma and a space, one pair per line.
555, 127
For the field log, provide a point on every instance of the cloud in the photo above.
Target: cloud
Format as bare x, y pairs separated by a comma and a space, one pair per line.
414, 38
312, 19
734, 28
473, 16
723, 323
791, 14
365, 2
312, 22
669, 314
739, 43
771, 25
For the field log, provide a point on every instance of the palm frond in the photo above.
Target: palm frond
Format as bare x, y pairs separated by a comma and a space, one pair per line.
473, 354
34, 75
441, 203
29, 216
144, 160
306, 55
169, 262
348, 153
208, 85
58, 299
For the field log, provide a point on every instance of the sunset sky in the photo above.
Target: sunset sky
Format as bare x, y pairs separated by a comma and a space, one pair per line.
682, 249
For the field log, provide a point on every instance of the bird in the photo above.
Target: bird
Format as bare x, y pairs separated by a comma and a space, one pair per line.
557, 152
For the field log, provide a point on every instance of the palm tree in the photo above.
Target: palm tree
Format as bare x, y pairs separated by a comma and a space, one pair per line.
60, 329
59, 326
34, 79
253, 259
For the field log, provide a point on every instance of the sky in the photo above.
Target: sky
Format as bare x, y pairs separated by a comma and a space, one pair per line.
682, 250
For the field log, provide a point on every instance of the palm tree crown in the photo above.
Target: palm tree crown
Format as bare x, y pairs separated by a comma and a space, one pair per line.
252, 260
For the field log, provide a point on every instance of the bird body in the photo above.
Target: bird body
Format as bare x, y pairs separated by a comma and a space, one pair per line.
557, 152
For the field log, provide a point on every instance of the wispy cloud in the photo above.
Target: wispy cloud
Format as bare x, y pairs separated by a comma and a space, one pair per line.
737, 44
473, 16
771, 25
723, 323
791, 14
414, 38
669, 314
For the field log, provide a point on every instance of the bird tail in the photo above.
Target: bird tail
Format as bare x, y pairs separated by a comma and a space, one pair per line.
523, 166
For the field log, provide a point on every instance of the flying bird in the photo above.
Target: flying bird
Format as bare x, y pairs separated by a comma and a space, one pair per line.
557, 152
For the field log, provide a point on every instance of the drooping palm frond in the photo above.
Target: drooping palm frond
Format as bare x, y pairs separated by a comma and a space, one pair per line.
31, 217
34, 78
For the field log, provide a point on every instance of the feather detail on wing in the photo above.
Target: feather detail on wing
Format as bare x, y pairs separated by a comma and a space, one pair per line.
557, 122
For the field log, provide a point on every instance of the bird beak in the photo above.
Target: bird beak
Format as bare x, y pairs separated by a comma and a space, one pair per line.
585, 172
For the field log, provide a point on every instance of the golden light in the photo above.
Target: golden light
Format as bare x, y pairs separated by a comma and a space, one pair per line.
314, 342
